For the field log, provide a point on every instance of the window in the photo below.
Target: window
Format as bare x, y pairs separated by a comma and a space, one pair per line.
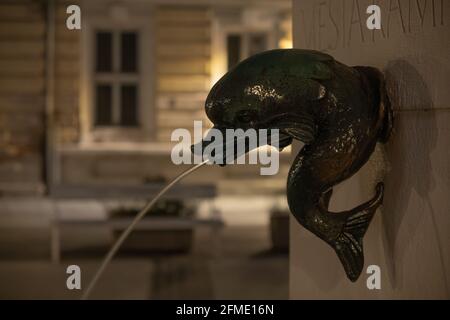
243, 45
117, 73
116, 78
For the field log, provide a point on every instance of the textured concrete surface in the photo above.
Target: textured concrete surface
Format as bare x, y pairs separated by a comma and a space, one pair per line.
410, 235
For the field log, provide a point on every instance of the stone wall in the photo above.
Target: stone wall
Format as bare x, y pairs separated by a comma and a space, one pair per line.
67, 76
183, 62
409, 237
22, 96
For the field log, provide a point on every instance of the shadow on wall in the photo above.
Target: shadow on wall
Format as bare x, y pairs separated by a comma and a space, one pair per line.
413, 140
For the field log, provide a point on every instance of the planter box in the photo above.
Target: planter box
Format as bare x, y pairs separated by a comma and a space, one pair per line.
157, 235
279, 232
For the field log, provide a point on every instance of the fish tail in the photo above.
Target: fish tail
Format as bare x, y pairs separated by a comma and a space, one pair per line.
348, 244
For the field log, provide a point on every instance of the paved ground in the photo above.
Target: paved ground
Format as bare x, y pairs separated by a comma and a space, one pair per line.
242, 267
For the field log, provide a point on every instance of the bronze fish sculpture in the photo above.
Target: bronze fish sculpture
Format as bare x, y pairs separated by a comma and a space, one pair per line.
338, 112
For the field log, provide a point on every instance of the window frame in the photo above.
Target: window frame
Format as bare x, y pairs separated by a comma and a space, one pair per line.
245, 36
116, 78
140, 19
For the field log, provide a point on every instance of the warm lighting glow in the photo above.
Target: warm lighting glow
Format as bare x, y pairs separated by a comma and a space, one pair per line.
285, 43
218, 66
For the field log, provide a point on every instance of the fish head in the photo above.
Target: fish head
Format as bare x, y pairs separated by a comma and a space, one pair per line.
243, 100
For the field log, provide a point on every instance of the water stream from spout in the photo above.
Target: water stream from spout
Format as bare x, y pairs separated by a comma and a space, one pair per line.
130, 228
146, 209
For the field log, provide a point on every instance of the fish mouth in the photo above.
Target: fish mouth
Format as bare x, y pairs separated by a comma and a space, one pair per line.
222, 148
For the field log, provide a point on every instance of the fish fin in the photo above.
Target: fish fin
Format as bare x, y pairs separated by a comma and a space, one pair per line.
284, 141
302, 128
349, 243
310, 90
306, 136
300, 125
350, 253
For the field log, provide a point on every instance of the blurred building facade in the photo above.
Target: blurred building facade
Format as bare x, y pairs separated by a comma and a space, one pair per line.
97, 105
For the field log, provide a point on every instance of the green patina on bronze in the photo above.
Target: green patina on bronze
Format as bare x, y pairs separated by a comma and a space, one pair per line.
338, 112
